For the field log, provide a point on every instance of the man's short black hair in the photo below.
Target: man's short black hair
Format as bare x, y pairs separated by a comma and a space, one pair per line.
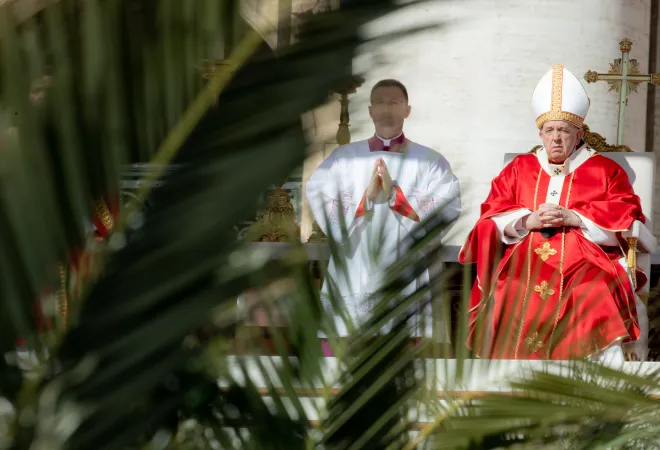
390, 83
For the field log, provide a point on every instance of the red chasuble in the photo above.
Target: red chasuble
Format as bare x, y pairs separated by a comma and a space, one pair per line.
556, 297
104, 217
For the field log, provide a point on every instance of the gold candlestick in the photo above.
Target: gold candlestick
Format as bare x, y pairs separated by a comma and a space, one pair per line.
277, 222
350, 87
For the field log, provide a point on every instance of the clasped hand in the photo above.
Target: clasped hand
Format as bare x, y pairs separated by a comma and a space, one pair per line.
381, 180
549, 216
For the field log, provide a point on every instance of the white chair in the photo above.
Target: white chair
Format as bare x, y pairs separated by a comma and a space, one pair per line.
640, 168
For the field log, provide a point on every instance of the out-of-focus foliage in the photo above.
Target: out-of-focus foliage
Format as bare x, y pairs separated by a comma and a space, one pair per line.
142, 359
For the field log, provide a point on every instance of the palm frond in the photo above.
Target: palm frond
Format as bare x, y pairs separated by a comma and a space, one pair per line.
382, 376
593, 407
122, 370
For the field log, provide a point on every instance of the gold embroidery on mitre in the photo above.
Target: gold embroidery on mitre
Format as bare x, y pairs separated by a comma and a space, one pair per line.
556, 93
534, 344
559, 115
543, 290
557, 84
545, 252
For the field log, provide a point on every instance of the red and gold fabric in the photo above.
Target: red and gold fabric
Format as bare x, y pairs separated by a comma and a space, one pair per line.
105, 215
104, 218
556, 297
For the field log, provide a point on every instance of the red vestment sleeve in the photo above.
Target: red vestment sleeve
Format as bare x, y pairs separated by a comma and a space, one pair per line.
362, 207
618, 207
484, 245
501, 199
402, 206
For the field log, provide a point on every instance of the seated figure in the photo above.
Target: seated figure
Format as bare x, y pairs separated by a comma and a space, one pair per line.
552, 279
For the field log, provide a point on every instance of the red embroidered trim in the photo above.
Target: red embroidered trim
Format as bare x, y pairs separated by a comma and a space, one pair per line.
342, 204
362, 207
401, 205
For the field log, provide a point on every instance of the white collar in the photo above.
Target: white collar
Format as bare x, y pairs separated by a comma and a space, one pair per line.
388, 141
577, 158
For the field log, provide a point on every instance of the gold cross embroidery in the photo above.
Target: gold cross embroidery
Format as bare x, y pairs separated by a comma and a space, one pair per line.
545, 252
543, 290
559, 170
534, 343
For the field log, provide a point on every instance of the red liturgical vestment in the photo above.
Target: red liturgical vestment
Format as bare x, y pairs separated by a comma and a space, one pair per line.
564, 293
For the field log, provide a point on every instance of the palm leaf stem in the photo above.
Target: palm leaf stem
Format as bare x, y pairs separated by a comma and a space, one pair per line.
431, 427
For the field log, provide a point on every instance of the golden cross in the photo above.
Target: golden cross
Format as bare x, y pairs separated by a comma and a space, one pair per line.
543, 290
624, 76
533, 343
545, 252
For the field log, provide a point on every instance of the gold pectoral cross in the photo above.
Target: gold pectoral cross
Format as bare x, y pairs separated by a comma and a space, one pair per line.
543, 290
534, 344
545, 251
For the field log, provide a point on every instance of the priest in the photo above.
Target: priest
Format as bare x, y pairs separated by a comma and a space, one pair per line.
552, 280
368, 195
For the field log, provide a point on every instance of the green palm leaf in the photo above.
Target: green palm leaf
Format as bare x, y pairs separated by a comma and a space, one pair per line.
121, 371
593, 407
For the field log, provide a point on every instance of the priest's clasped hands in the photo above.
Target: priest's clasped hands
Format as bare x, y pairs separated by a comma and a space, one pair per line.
549, 216
381, 180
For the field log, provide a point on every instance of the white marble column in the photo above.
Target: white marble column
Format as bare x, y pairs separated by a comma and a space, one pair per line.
470, 82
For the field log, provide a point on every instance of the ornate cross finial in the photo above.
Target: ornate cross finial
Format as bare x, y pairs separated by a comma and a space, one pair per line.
623, 77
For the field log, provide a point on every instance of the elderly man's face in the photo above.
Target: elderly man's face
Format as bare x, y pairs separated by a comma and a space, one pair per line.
559, 139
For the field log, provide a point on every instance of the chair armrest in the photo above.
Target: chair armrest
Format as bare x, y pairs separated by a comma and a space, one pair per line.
640, 239
645, 240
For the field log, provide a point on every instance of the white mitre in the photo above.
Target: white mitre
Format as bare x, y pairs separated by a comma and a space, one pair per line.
560, 96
